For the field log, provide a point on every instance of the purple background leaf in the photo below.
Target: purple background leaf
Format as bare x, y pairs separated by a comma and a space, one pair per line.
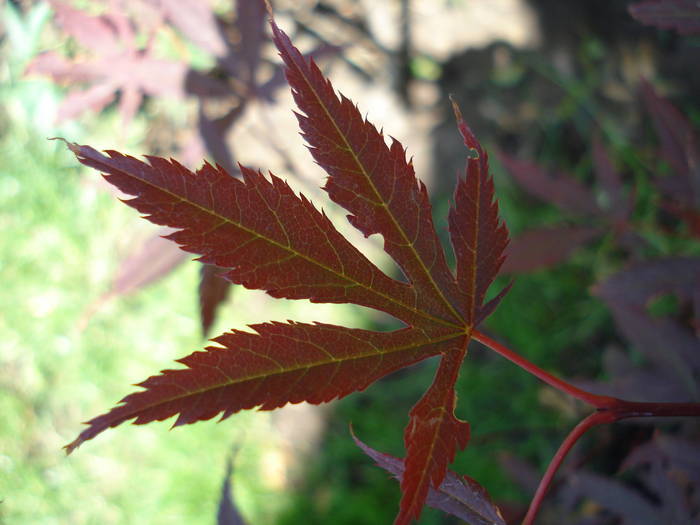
544, 247
99, 33
672, 347
227, 513
115, 65
213, 290
460, 496
195, 20
560, 189
152, 261
681, 15
630, 380
627, 503
251, 16
679, 145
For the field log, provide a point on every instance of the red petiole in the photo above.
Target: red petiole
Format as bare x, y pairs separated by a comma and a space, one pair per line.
608, 410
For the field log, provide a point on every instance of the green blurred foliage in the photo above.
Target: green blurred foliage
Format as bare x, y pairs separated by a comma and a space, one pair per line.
61, 237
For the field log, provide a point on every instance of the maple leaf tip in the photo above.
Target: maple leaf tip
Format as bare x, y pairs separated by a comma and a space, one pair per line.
466, 132
455, 108
75, 148
70, 447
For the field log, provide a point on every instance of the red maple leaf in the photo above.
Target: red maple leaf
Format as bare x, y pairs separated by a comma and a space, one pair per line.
116, 64
264, 236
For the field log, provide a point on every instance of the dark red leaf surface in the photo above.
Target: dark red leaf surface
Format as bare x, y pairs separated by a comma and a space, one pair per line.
432, 438
264, 236
268, 237
373, 181
478, 237
681, 15
277, 364
457, 495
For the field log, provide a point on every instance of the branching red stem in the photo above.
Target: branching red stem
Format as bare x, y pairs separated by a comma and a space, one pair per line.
609, 410
559, 384
597, 418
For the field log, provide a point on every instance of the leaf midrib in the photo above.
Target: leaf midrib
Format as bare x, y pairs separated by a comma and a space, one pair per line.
378, 196
227, 220
265, 375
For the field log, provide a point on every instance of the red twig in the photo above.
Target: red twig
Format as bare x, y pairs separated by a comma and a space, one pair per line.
597, 418
559, 384
609, 410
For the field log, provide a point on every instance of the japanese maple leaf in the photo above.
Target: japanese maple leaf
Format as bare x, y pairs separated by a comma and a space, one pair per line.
266, 237
115, 65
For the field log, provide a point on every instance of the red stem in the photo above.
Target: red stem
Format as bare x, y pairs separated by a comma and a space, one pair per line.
623, 410
609, 410
579, 430
559, 384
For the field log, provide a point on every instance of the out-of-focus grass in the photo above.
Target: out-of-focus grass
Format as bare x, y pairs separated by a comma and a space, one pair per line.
61, 237
58, 249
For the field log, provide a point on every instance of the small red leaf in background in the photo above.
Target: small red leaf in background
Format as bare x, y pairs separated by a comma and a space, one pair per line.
669, 343
559, 189
116, 65
681, 15
213, 290
679, 144
99, 33
545, 247
681, 149
150, 262
228, 513
196, 20
457, 495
